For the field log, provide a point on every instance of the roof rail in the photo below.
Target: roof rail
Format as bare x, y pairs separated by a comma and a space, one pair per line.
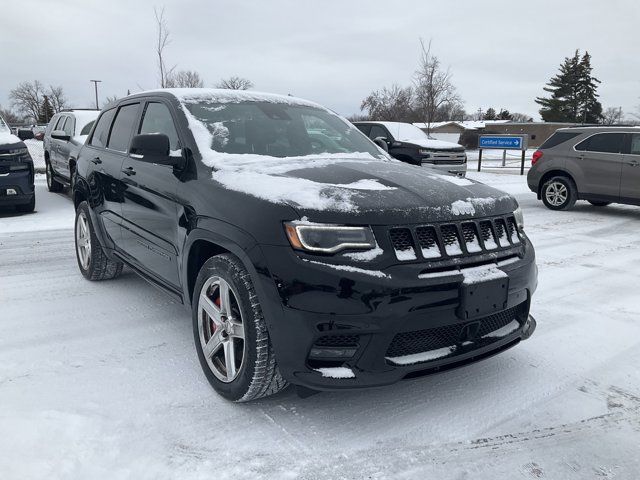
74, 109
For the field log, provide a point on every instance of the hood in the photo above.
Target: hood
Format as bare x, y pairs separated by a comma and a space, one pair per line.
433, 144
404, 194
8, 139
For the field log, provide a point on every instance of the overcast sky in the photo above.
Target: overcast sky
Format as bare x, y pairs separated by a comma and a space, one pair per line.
335, 52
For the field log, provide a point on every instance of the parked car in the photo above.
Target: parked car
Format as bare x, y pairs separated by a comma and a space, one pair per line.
597, 164
408, 143
322, 264
16, 172
38, 131
65, 133
24, 133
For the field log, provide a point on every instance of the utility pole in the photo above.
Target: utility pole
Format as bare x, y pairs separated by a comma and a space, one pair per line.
95, 83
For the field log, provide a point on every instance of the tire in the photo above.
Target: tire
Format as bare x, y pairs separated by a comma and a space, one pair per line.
27, 207
92, 261
52, 184
232, 327
599, 204
559, 193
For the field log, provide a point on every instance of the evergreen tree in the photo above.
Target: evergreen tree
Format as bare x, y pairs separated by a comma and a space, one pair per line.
505, 115
46, 111
573, 92
490, 114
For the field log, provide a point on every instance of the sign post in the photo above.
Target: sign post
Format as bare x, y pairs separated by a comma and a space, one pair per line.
503, 142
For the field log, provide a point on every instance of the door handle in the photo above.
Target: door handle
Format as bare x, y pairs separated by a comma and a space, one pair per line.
634, 163
97, 161
129, 171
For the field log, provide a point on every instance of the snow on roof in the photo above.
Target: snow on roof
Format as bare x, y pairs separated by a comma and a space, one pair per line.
83, 117
467, 124
218, 95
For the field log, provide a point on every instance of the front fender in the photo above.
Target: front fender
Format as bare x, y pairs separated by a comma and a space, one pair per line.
244, 246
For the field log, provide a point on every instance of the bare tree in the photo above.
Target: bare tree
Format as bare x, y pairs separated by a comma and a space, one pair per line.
56, 98
235, 83
109, 99
612, 116
27, 98
162, 41
392, 104
184, 79
433, 87
521, 117
10, 116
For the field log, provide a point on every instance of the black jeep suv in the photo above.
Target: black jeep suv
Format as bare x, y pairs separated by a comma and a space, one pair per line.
306, 254
16, 172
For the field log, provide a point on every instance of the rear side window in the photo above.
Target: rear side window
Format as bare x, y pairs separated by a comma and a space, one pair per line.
377, 131
602, 143
558, 138
60, 122
364, 128
635, 144
123, 127
101, 133
87, 128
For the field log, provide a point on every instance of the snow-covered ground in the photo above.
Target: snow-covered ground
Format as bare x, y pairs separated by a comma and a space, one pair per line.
101, 380
36, 149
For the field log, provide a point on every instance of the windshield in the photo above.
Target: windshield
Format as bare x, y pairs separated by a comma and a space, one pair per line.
3, 125
278, 130
406, 131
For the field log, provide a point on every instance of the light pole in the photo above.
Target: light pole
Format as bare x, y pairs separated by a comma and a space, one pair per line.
95, 83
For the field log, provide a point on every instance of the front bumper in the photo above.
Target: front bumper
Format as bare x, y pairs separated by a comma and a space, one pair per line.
455, 169
313, 303
16, 188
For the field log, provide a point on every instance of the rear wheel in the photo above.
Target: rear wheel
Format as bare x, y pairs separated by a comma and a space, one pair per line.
52, 184
230, 332
599, 204
93, 262
559, 193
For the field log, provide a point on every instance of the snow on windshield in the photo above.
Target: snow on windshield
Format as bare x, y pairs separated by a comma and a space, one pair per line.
252, 141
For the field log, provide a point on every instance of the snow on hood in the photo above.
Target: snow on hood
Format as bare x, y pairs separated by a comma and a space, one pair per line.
7, 138
266, 177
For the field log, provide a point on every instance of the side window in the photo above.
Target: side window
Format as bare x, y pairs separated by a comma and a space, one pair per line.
602, 143
635, 144
101, 133
378, 131
157, 119
87, 128
364, 128
68, 126
60, 122
52, 123
123, 127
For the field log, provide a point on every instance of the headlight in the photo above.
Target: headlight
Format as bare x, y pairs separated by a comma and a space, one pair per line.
328, 238
517, 213
423, 151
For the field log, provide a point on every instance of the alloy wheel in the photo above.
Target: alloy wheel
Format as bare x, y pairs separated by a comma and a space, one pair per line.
221, 329
556, 194
83, 240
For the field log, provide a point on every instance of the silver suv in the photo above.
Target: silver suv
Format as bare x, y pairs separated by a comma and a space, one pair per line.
597, 164
64, 135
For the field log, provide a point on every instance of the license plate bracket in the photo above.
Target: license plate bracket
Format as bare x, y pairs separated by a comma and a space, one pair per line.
483, 298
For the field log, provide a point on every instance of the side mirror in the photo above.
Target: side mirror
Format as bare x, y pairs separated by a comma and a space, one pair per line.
60, 135
153, 148
382, 143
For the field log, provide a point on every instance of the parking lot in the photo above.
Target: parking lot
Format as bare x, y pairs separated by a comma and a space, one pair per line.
101, 380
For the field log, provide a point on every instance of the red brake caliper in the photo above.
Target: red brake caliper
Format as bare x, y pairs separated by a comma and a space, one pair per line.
212, 324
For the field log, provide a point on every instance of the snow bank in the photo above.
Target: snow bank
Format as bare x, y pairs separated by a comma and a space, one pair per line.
336, 372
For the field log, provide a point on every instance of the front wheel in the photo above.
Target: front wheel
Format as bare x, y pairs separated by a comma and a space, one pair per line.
52, 184
93, 262
559, 193
231, 334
